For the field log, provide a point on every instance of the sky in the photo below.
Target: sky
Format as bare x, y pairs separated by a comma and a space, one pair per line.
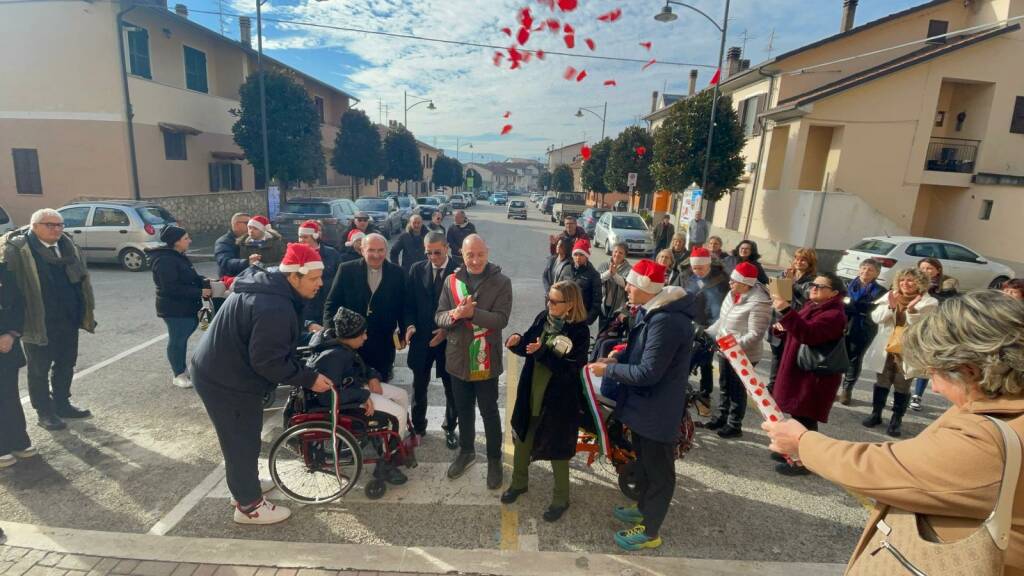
472, 95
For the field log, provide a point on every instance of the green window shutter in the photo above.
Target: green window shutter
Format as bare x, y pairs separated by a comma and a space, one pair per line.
138, 52
214, 177
1017, 121
195, 70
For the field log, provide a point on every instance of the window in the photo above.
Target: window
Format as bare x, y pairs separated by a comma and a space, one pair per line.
1017, 122
319, 103
155, 215
26, 171
937, 28
174, 146
986, 210
322, 176
75, 217
876, 247
749, 109
138, 51
925, 250
109, 217
4, 218
960, 254
195, 70
225, 176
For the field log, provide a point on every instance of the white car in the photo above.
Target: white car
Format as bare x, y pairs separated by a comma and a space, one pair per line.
895, 253
623, 227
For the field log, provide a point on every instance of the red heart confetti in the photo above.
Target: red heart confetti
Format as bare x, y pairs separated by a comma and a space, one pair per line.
567, 5
648, 65
570, 41
581, 75
507, 114
553, 24
569, 73
498, 57
540, 54
506, 129
647, 45
525, 18
569, 29
590, 43
640, 151
585, 152
507, 31
611, 16
523, 36
610, 83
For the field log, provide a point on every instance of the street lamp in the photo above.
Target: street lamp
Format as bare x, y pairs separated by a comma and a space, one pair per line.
430, 105
263, 100
666, 15
458, 146
603, 117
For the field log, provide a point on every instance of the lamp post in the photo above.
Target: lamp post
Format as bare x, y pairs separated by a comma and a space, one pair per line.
430, 106
666, 15
603, 117
458, 146
263, 99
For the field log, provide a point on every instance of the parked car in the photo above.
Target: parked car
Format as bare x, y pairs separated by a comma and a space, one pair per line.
6, 224
442, 200
457, 202
384, 213
567, 204
482, 194
334, 214
589, 219
894, 253
116, 231
535, 197
546, 203
613, 228
516, 209
620, 206
469, 198
407, 206
499, 199
427, 206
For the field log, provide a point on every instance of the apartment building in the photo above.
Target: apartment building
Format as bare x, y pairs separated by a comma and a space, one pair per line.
65, 124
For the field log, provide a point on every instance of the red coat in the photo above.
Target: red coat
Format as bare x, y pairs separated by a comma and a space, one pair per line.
801, 393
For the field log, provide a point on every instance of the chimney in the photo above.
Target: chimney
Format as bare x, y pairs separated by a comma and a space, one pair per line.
654, 101
732, 59
849, 13
245, 30
693, 83
744, 64
181, 10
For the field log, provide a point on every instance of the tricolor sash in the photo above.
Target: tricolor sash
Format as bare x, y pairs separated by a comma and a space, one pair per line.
479, 349
591, 384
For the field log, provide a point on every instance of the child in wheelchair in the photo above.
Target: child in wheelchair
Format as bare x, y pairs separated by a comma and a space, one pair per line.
335, 356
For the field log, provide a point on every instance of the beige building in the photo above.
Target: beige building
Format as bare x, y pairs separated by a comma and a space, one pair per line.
925, 139
63, 111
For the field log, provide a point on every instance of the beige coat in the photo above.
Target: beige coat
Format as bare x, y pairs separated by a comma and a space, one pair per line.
950, 473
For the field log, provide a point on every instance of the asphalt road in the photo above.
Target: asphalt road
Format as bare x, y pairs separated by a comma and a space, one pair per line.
148, 460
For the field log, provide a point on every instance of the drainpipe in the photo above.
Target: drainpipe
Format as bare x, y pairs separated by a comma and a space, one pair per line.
128, 112
760, 154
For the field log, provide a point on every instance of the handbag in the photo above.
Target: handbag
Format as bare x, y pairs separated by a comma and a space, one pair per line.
895, 343
828, 358
902, 548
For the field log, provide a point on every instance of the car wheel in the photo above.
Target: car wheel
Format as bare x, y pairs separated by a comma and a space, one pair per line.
132, 260
997, 284
608, 248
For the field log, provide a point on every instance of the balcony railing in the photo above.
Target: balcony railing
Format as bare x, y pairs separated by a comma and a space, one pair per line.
951, 155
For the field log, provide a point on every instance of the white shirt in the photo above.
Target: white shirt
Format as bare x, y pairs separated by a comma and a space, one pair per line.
54, 246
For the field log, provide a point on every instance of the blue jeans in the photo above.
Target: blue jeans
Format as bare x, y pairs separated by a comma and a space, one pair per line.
178, 331
920, 384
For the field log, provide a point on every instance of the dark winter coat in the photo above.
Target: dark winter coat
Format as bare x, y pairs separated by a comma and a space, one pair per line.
348, 254
408, 249
421, 305
663, 234
493, 297
859, 306
556, 270
343, 366
456, 234
12, 319
271, 248
801, 292
314, 311
709, 292
179, 288
555, 438
652, 372
580, 234
801, 393
589, 280
250, 345
730, 264
226, 252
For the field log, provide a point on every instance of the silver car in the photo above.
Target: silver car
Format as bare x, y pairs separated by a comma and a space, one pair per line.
623, 227
116, 231
6, 224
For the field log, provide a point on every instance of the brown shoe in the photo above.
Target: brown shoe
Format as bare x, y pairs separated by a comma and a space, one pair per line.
844, 396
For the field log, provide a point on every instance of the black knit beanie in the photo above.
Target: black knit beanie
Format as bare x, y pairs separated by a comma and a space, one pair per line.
171, 234
348, 323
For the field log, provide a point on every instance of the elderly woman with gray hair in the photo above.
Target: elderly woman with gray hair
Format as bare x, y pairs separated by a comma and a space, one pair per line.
933, 491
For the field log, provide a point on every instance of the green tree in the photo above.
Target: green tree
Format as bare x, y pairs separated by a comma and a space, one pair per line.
357, 148
478, 181
401, 156
625, 157
561, 179
594, 168
447, 172
544, 180
681, 142
293, 130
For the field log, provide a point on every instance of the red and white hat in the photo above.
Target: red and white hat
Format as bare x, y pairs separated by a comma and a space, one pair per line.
582, 246
300, 258
354, 235
745, 273
648, 276
699, 256
310, 228
259, 222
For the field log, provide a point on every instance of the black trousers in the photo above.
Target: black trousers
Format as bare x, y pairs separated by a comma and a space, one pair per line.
379, 354
51, 368
732, 403
655, 479
467, 396
773, 370
238, 421
856, 349
420, 382
12, 418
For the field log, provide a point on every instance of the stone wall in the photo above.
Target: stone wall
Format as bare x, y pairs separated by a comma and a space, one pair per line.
206, 214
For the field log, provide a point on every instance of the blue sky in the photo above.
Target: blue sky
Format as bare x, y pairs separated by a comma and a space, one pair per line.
471, 94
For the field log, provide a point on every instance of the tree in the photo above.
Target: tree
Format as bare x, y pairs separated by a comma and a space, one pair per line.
478, 181
447, 172
625, 157
401, 156
594, 168
357, 148
544, 180
293, 130
561, 179
681, 142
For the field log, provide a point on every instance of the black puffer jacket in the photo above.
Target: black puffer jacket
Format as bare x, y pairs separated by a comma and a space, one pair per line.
408, 249
589, 280
179, 288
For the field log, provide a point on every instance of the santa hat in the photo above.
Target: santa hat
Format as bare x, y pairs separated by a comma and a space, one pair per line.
648, 276
300, 258
582, 246
700, 256
259, 222
354, 235
745, 273
310, 228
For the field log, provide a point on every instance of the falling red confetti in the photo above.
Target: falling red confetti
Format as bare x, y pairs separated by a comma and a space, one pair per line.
507, 114
611, 16
569, 73
567, 5
525, 18
506, 129
498, 56
553, 24
540, 54
507, 31
549, 3
610, 83
641, 151
581, 75
570, 41
585, 152
515, 56
524, 36
569, 29
648, 65
590, 43
647, 45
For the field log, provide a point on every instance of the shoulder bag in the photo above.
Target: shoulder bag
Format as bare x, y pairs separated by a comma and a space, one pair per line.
823, 359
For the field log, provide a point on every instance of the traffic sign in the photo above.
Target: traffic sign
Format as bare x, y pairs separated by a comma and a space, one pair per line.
631, 179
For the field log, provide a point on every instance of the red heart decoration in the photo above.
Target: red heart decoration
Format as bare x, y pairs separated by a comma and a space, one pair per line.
610, 83
745, 373
506, 129
758, 392
743, 362
567, 5
732, 354
640, 151
585, 152
590, 43
773, 418
581, 75
570, 41
524, 36
765, 402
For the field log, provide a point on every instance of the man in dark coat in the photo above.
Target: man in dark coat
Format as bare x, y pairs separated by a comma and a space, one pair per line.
374, 288
309, 234
226, 250
663, 233
652, 395
587, 278
572, 231
408, 248
427, 342
362, 222
250, 348
459, 231
14, 441
708, 285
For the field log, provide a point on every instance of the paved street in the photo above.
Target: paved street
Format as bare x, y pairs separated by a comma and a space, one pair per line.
148, 461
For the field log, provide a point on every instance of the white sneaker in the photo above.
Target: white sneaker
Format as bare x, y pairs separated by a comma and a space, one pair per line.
7, 461
265, 513
182, 381
29, 452
266, 487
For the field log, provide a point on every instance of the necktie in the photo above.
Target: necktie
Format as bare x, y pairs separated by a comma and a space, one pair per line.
53, 250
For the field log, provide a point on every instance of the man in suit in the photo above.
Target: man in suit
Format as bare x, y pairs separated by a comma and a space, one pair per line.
426, 341
374, 288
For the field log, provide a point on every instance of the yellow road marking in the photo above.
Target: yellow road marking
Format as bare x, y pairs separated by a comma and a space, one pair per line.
509, 517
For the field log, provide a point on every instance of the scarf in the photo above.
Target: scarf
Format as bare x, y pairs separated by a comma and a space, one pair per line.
67, 260
552, 327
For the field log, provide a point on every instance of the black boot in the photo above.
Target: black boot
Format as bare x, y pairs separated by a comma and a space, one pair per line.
899, 408
879, 395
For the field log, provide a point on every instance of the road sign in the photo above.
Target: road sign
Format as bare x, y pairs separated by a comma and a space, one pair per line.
631, 179
691, 204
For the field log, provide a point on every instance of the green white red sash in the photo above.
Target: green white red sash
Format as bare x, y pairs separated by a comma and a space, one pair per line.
591, 385
479, 349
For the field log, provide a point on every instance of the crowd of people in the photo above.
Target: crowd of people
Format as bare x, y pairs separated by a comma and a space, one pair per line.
441, 296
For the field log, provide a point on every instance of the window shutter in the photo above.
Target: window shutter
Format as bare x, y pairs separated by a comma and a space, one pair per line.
26, 171
937, 28
236, 176
761, 99
214, 177
1017, 122
742, 112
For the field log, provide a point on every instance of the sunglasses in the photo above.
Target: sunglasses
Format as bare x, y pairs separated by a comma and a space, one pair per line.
821, 287
550, 301
434, 252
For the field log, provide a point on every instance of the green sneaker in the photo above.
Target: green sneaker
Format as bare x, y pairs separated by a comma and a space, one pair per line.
628, 514
636, 538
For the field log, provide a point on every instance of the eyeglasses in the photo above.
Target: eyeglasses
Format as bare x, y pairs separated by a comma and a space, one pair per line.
554, 302
821, 287
52, 224
434, 252
362, 219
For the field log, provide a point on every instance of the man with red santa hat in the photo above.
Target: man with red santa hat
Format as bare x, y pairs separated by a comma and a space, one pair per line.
309, 234
261, 242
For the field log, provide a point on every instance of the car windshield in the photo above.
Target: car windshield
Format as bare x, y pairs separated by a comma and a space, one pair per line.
404, 201
4, 218
629, 223
430, 201
517, 204
155, 215
874, 246
372, 204
306, 208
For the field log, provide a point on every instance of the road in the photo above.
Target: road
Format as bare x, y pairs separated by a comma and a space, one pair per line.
148, 461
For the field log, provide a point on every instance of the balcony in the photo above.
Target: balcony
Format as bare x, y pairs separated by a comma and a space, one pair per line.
951, 155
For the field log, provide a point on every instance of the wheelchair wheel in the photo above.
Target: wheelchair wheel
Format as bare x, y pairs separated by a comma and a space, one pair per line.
375, 489
627, 480
302, 463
